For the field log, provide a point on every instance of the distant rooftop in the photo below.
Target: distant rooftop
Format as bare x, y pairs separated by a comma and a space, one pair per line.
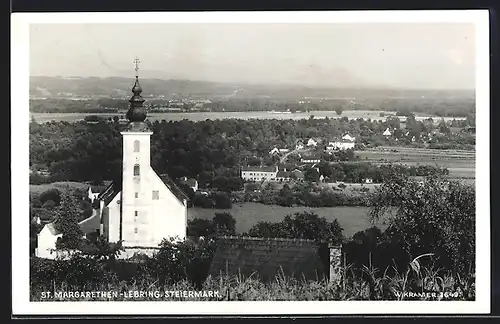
259, 169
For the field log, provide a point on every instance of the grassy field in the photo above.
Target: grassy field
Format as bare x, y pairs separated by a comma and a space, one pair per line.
201, 116
460, 163
351, 219
66, 187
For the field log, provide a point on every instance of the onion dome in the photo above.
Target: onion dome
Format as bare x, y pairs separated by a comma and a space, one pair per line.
136, 112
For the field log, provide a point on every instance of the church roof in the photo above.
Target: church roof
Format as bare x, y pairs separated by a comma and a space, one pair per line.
110, 192
267, 258
116, 186
174, 188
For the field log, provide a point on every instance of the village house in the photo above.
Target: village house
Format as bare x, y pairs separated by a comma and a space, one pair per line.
312, 142
46, 241
387, 132
346, 142
283, 176
251, 173
299, 145
297, 174
92, 195
48, 235
275, 150
310, 159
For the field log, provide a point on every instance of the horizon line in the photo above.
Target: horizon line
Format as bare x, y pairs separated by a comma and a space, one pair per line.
291, 85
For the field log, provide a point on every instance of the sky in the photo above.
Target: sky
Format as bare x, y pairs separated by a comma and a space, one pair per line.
412, 55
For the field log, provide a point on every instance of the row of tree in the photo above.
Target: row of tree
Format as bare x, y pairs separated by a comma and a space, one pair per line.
211, 151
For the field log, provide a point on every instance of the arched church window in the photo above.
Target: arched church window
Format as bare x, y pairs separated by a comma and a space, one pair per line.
137, 171
137, 146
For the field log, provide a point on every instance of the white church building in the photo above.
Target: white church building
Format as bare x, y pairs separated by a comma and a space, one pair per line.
143, 208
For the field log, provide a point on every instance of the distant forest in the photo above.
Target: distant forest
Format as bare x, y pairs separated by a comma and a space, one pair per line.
110, 95
210, 151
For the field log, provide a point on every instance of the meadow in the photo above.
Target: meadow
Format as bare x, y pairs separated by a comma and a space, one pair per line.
201, 116
351, 219
63, 186
460, 163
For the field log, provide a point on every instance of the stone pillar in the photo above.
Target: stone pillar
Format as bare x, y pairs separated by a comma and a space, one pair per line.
335, 263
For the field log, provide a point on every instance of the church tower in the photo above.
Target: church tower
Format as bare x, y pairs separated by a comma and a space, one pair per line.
136, 219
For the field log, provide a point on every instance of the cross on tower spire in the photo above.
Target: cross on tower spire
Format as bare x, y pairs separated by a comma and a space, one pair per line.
136, 61
136, 112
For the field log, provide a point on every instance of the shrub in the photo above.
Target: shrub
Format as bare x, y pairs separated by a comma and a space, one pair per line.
176, 261
51, 194
436, 217
199, 227
224, 224
304, 225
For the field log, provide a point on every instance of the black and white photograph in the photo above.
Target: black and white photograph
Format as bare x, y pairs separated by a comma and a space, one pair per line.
179, 162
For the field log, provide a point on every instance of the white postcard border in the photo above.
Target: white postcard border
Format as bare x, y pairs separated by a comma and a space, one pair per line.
20, 178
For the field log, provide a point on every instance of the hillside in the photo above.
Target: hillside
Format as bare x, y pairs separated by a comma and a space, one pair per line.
118, 87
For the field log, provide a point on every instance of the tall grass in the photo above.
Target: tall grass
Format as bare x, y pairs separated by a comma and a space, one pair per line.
371, 284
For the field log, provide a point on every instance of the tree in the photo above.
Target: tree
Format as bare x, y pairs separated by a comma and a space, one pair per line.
470, 119
266, 230
311, 175
200, 227
413, 126
443, 128
437, 217
224, 224
286, 197
222, 200
304, 225
51, 194
338, 110
49, 204
393, 122
97, 247
66, 222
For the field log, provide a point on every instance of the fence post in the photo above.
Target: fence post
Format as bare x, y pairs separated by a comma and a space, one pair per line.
335, 263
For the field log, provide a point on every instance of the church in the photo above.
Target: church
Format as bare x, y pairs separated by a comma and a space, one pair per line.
142, 208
